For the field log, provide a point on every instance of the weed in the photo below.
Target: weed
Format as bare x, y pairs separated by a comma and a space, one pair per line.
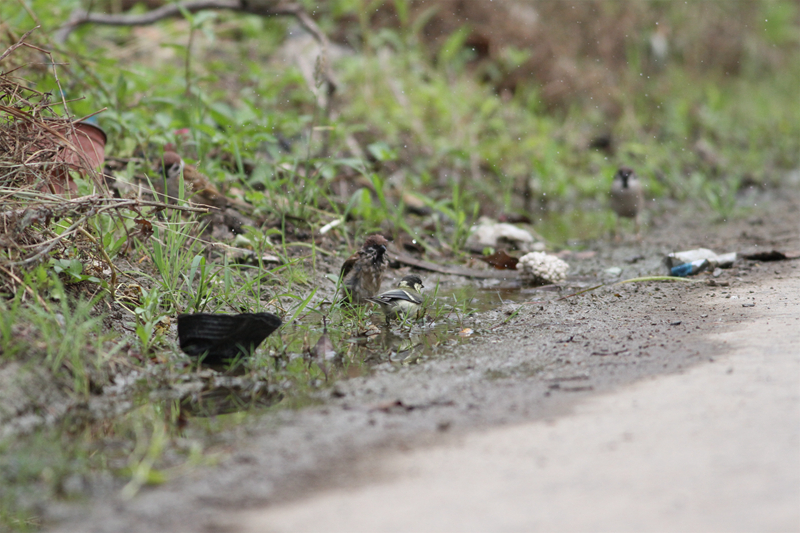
173, 251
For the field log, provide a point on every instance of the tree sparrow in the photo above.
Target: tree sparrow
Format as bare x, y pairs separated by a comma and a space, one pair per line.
197, 185
404, 301
362, 273
627, 196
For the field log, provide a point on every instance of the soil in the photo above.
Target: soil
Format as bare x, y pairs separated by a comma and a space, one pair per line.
546, 363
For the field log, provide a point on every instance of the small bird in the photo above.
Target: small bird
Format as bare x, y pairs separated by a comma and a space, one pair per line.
627, 196
362, 273
171, 166
404, 301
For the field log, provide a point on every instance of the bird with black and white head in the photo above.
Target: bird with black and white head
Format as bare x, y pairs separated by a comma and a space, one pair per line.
404, 301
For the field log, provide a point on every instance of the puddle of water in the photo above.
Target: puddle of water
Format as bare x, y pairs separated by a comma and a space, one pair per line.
206, 392
450, 320
362, 346
223, 399
453, 318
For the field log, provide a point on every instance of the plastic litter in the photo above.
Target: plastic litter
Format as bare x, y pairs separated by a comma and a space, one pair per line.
689, 269
690, 262
488, 233
217, 339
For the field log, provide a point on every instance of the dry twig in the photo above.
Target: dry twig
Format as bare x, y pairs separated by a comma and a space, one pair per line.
33, 138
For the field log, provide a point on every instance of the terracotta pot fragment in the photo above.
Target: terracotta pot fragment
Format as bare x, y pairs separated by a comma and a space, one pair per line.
90, 140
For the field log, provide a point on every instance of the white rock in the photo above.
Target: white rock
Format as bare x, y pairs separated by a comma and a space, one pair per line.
541, 269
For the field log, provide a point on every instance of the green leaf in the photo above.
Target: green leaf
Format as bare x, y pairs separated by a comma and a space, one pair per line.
453, 45
381, 151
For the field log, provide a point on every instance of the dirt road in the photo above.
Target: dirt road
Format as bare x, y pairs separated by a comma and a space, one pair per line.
715, 448
635, 406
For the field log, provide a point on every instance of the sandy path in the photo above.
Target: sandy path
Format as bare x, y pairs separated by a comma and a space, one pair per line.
716, 448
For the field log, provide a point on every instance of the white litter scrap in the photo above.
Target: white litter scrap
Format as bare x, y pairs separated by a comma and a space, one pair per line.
330, 225
540, 268
488, 233
715, 260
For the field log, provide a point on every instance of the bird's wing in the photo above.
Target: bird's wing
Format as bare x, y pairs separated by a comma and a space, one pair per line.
400, 294
347, 266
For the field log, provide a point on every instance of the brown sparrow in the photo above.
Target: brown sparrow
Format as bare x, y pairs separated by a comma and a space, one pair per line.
197, 185
627, 196
362, 273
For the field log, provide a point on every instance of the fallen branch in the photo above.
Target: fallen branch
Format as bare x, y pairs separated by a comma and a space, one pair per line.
80, 17
263, 8
454, 270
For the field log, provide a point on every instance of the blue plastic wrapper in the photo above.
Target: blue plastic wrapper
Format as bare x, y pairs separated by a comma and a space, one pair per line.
681, 271
689, 269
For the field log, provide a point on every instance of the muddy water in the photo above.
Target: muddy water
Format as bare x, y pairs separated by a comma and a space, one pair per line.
455, 316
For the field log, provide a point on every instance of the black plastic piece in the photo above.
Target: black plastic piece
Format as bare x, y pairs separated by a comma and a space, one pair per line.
218, 339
